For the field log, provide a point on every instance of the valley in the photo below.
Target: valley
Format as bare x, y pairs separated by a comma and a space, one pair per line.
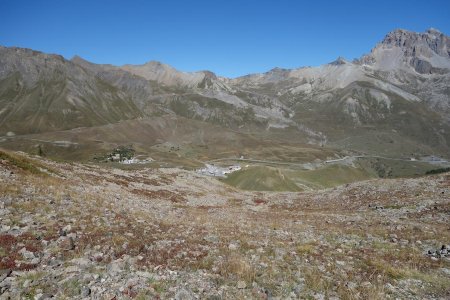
379, 105
146, 182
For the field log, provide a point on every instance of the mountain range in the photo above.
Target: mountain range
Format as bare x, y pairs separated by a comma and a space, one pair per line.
145, 182
393, 101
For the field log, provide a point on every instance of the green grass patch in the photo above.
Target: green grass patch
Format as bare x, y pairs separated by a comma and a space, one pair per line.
261, 179
438, 171
329, 176
25, 164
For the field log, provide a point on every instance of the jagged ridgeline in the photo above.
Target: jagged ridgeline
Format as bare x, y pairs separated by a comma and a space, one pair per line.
394, 100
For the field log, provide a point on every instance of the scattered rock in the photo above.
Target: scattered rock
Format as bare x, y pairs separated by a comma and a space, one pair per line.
444, 251
39, 296
351, 285
122, 255
233, 246
66, 243
211, 238
4, 273
85, 291
116, 267
27, 254
241, 284
184, 294
67, 229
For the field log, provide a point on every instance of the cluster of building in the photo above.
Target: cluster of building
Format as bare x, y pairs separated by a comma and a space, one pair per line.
218, 171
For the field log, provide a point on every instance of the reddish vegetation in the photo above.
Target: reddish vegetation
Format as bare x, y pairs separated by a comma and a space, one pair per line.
119, 182
328, 237
259, 201
9, 242
147, 181
161, 194
206, 207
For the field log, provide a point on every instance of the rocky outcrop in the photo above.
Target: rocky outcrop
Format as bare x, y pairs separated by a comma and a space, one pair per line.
425, 52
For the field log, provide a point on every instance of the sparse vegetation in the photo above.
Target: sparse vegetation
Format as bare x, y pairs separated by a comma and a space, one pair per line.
25, 164
438, 171
145, 231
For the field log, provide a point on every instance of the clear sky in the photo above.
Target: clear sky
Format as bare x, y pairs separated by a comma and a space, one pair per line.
228, 37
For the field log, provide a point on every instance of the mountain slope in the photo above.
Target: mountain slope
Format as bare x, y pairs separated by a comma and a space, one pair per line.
343, 99
41, 92
397, 95
157, 233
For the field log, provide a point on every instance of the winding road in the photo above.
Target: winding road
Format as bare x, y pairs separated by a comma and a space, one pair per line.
321, 163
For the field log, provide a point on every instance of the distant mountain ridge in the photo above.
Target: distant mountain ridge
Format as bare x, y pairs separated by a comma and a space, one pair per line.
399, 93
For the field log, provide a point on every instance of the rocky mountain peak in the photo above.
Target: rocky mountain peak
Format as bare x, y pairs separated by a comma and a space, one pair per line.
434, 31
408, 40
209, 74
78, 60
278, 70
425, 53
399, 38
155, 64
339, 61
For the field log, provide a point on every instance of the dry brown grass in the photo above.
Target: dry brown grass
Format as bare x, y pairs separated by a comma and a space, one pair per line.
161, 194
306, 249
276, 245
236, 267
18, 162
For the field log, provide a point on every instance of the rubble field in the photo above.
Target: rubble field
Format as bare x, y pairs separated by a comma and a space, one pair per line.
79, 231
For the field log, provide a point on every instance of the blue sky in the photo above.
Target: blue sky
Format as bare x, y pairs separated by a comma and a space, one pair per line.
230, 37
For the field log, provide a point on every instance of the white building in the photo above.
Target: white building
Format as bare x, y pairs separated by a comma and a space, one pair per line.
212, 170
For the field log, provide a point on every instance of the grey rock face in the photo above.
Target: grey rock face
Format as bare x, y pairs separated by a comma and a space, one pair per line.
426, 52
421, 66
415, 44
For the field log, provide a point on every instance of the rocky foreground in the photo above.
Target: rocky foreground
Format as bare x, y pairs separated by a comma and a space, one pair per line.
73, 231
